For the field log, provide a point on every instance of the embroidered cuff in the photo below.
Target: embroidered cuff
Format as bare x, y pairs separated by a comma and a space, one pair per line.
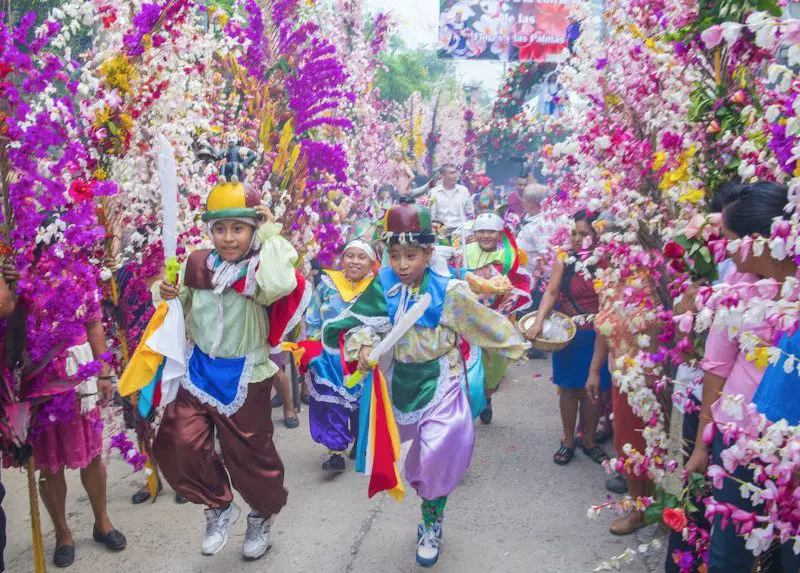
358, 337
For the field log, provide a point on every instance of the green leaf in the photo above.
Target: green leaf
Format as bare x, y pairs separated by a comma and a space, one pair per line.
652, 514
697, 481
112, 127
682, 241
705, 254
769, 6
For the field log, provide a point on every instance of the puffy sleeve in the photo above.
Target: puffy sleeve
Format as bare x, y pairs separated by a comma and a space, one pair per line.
480, 325
720, 353
184, 294
275, 275
358, 337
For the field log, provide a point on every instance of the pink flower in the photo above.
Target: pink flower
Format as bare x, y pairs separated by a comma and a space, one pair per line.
693, 228
716, 474
685, 322
712, 36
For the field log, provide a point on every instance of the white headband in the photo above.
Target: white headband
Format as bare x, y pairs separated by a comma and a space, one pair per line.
488, 222
364, 246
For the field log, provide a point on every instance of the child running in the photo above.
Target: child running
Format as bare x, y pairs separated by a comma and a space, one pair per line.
430, 406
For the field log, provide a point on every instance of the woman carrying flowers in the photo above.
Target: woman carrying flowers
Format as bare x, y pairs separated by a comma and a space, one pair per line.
75, 439
733, 366
574, 295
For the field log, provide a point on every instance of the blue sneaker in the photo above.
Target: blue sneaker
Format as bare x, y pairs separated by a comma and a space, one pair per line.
428, 546
421, 531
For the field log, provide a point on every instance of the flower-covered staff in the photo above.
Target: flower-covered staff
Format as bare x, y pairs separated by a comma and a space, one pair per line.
333, 409
495, 256
240, 298
426, 371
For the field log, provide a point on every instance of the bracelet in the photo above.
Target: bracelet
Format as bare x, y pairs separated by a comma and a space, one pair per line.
104, 377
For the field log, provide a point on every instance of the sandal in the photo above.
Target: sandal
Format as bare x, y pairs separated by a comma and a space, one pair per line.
596, 454
291, 422
563, 455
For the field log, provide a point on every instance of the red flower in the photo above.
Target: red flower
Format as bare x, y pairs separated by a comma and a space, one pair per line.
673, 250
675, 518
80, 191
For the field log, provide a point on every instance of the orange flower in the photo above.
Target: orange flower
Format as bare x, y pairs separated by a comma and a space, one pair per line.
675, 518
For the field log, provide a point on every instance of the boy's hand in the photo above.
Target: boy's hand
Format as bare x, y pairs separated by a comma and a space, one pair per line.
168, 291
264, 215
363, 359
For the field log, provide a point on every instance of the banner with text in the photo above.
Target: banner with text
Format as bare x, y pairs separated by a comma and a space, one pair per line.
505, 30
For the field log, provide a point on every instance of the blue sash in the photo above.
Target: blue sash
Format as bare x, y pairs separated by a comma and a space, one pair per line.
219, 382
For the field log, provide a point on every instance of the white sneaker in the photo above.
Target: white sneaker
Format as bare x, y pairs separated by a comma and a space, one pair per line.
428, 545
218, 527
256, 538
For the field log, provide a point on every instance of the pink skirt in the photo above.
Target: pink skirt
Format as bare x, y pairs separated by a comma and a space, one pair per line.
72, 445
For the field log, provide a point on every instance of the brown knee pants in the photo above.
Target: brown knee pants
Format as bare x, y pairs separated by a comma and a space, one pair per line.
185, 452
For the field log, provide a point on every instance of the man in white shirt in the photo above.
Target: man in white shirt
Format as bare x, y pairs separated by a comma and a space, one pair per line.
451, 203
535, 233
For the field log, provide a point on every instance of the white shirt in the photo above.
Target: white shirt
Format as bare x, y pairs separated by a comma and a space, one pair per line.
451, 207
534, 239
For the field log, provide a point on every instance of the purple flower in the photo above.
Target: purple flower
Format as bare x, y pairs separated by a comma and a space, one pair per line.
601, 63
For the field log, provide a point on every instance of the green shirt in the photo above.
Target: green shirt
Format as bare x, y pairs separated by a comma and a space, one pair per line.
244, 319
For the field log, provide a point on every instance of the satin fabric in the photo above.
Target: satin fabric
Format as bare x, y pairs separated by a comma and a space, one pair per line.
331, 425
185, 451
442, 443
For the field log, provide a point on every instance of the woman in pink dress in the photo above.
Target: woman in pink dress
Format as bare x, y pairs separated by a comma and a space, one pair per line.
78, 443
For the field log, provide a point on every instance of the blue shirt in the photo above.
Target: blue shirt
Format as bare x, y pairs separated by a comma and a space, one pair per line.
778, 395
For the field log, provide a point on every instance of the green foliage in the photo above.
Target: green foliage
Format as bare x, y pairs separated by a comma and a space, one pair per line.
406, 71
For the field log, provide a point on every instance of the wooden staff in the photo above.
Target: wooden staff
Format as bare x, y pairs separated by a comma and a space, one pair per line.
36, 522
150, 464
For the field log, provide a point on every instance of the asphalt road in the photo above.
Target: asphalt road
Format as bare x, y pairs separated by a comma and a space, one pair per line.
514, 511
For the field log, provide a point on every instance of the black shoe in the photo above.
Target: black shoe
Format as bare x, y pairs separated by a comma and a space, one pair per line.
143, 494
64, 555
180, 499
113, 539
291, 422
335, 463
276, 401
486, 414
617, 484
354, 450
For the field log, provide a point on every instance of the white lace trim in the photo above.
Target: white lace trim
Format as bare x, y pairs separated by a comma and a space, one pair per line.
241, 391
407, 419
301, 308
352, 406
381, 325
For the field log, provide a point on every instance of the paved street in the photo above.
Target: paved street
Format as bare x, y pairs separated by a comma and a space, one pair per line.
515, 510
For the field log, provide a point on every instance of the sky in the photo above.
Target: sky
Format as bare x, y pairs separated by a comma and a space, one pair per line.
418, 22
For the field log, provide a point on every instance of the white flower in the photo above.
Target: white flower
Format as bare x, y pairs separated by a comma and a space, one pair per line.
731, 32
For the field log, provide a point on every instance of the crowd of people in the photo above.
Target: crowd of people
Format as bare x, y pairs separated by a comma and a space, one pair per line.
446, 275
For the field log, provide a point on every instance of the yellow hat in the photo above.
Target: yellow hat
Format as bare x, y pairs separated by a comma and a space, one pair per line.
227, 200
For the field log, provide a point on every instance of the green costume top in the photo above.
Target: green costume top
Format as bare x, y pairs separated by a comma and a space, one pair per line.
244, 321
427, 361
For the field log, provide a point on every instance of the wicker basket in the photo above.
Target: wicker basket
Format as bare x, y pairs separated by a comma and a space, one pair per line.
542, 343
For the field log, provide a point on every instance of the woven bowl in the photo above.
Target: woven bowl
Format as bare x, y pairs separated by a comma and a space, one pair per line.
542, 343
